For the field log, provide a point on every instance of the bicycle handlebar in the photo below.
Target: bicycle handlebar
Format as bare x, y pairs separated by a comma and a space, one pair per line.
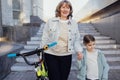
34, 51
31, 53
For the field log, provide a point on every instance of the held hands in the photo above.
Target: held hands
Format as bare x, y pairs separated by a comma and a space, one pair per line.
79, 56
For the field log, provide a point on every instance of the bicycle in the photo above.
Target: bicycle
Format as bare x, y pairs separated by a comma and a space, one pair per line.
40, 66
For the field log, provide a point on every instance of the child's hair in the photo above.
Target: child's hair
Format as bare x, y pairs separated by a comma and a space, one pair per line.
57, 14
88, 38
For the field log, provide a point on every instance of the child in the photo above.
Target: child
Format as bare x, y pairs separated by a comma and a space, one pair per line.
93, 66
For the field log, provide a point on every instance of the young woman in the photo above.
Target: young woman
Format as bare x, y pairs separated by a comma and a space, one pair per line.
93, 66
64, 31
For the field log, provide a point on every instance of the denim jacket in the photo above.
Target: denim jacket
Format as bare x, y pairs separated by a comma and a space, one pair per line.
51, 33
103, 67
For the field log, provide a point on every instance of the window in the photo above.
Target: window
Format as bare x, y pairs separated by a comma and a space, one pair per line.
16, 9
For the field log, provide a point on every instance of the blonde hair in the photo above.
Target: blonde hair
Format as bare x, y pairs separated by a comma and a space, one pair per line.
57, 14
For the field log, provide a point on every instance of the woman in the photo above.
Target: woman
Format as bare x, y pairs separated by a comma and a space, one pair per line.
64, 31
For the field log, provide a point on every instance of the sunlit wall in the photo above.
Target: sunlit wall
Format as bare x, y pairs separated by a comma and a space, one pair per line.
91, 7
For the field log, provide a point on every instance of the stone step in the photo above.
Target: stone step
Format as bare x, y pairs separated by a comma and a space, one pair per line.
113, 59
100, 46
26, 75
86, 28
33, 42
114, 51
30, 75
35, 39
40, 33
35, 46
88, 31
112, 55
21, 67
97, 42
100, 37
33, 58
109, 59
25, 67
115, 63
106, 52
106, 46
94, 34
84, 24
26, 50
101, 41
111, 51
111, 68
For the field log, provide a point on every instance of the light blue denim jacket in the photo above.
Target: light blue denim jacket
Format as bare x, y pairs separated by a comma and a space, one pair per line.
103, 67
51, 33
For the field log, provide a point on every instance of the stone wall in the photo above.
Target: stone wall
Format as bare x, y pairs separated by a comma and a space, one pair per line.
1, 31
109, 26
5, 64
19, 33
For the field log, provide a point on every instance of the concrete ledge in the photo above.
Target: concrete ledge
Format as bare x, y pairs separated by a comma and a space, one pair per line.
5, 62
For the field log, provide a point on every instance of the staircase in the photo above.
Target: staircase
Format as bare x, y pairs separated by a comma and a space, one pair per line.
30, 46
105, 43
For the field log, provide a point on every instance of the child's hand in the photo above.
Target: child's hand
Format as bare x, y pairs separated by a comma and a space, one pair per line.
79, 56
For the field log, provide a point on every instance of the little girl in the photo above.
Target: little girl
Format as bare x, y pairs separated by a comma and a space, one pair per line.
93, 66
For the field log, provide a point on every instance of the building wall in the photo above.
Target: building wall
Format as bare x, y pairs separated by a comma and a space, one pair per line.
7, 17
7, 12
20, 34
37, 8
40, 9
109, 26
1, 31
92, 7
25, 11
49, 7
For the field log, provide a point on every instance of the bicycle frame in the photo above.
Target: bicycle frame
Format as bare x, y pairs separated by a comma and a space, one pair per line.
40, 68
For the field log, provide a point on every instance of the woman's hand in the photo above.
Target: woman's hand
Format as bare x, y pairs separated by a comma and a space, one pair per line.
79, 56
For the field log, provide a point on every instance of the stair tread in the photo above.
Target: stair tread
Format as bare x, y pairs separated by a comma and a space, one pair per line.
21, 67
32, 58
25, 67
